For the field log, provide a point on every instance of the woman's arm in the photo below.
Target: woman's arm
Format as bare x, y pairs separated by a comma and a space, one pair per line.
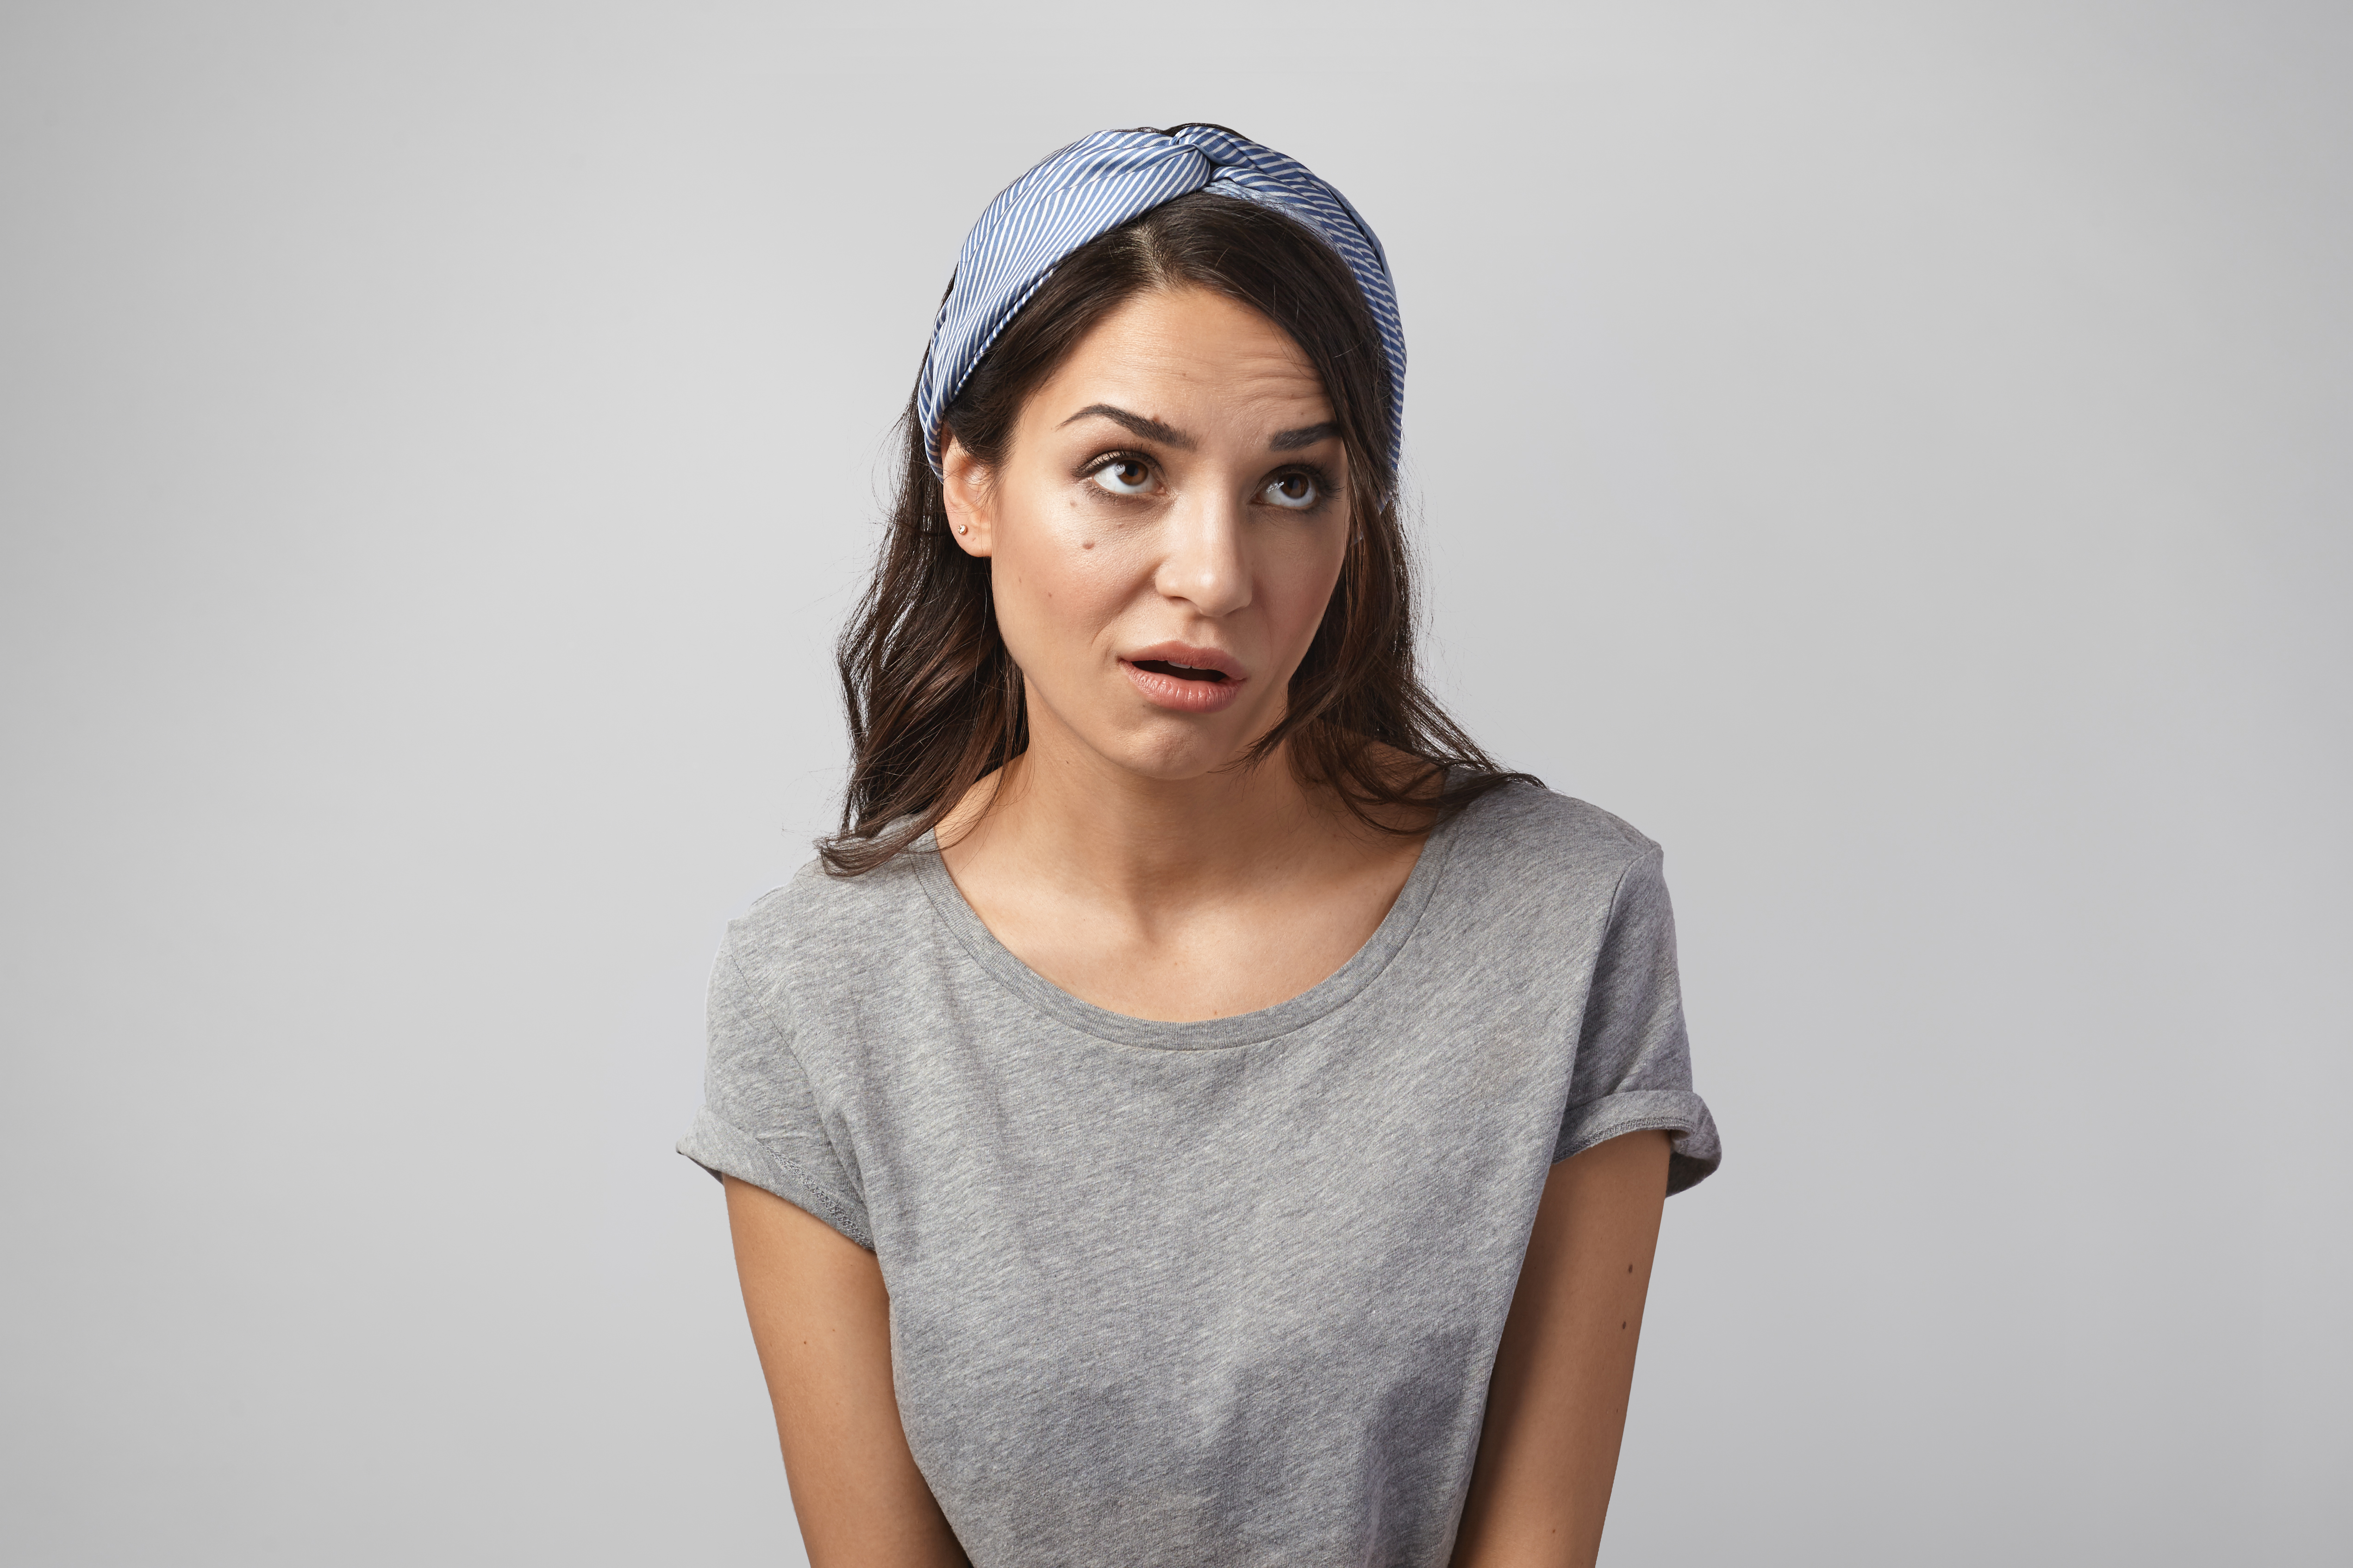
1557, 1409
822, 1323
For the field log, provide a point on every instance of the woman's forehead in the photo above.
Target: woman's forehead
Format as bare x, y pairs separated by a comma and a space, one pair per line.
1187, 357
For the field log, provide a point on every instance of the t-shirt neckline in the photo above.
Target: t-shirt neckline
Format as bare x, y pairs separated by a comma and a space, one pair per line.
1334, 991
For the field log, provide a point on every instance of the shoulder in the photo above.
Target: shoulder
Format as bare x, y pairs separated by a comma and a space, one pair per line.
1528, 831
817, 921
1547, 867
1531, 891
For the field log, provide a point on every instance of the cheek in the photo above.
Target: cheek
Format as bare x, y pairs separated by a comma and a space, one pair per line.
1297, 585
1057, 584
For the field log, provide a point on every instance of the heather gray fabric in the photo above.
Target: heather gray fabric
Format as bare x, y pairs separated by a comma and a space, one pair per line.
1215, 1293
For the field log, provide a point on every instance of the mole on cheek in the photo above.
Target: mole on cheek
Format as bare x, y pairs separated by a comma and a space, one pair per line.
1087, 545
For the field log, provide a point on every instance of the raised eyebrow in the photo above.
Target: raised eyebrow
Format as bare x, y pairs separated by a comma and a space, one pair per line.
1150, 429
1306, 436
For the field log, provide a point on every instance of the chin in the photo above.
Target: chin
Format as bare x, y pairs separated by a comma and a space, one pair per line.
1173, 750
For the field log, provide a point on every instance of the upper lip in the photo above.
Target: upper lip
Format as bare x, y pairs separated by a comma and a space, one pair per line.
1190, 656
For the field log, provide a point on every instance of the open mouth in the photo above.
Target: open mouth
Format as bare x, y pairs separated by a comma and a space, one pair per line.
1180, 671
1164, 676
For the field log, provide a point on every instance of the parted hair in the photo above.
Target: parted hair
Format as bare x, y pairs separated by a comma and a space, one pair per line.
935, 700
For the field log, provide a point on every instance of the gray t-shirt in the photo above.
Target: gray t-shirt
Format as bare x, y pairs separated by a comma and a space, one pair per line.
1224, 1292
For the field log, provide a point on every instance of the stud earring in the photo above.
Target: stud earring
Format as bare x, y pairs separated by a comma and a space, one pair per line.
959, 528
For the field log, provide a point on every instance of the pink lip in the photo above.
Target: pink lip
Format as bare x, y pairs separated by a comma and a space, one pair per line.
1174, 692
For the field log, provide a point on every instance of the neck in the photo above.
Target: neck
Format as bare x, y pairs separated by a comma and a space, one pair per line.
1134, 842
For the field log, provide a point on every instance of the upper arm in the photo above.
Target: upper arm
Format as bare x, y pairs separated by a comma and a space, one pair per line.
1556, 1407
1633, 1066
821, 1320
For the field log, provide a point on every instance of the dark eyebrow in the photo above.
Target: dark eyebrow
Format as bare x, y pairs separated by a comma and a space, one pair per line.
1150, 429
1306, 436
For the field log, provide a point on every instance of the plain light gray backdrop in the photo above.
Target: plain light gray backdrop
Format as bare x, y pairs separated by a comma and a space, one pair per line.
1897, 455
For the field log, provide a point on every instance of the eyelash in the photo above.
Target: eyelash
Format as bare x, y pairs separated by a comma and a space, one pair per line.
1097, 464
1326, 490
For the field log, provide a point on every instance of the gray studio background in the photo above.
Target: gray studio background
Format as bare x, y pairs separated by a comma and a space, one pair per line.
1894, 455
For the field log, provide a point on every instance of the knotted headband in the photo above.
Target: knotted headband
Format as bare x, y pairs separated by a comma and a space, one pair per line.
1091, 187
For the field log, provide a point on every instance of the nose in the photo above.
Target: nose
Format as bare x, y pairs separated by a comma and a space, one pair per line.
1206, 563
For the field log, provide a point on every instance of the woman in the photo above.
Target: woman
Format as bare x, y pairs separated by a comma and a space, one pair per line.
1201, 1110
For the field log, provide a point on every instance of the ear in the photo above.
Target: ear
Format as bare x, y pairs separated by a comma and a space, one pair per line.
965, 485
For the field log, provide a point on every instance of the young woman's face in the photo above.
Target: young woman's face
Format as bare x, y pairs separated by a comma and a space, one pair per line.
1164, 532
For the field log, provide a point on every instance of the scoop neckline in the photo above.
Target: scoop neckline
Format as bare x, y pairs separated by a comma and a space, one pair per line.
1334, 991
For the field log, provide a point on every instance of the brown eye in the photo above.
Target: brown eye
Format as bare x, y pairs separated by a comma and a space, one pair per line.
1295, 492
1124, 477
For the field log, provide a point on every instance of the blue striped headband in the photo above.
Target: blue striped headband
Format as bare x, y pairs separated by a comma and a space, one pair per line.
1091, 187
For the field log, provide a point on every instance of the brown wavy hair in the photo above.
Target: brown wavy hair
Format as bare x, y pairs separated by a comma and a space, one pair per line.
935, 700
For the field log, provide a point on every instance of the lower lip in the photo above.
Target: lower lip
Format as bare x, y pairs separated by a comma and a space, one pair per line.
1180, 696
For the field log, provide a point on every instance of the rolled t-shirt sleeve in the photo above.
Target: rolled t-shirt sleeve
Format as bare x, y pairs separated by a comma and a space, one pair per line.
1632, 1071
760, 1121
